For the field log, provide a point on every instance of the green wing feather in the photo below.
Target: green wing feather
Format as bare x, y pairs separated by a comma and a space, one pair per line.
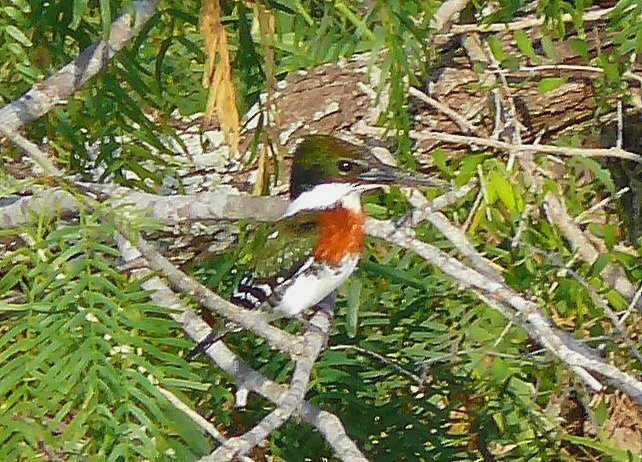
282, 246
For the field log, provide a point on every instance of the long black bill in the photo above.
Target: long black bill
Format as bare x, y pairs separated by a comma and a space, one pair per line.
386, 174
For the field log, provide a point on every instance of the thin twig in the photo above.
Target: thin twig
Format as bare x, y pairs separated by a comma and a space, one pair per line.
573, 68
579, 219
197, 419
632, 305
447, 11
463, 123
534, 148
414, 377
526, 23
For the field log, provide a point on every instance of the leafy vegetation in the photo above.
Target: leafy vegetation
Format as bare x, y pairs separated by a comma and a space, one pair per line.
83, 350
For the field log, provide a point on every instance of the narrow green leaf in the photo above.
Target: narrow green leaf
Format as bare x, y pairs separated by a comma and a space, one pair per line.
601, 174
79, 9
439, 156
550, 83
525, 45
504, 190
581, 47
549, 49
618, 454
105, 17
353, 302
496, 48
18, 35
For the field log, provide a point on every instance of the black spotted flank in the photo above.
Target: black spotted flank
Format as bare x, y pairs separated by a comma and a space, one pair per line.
252, 292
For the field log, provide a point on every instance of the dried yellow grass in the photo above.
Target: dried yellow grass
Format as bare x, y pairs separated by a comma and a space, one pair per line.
217, 75
267, 24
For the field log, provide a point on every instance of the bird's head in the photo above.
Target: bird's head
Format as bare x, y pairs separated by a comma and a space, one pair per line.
328, 172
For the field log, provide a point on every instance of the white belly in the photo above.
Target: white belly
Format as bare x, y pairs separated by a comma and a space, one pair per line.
313, 283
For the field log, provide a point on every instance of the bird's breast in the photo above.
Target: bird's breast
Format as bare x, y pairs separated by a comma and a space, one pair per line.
340, 235
314, 282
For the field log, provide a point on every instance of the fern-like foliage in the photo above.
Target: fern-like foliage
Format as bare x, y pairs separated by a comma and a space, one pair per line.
82, 353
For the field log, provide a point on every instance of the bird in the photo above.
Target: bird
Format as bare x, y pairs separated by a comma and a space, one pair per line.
316, 245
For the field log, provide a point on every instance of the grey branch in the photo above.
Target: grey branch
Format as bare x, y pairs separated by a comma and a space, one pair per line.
170, 210
42, 97
328, 424
253, 321
314, 340
447, 12
567, 349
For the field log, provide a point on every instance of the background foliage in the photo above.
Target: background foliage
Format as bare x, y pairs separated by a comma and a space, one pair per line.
82, 349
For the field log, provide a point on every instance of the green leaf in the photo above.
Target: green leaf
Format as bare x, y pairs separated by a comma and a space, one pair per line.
18, 35
79, 10
600, 263
600, 173
549, 49
105, 17
439, 157
551, 83
468, 167
616, 453
581, 47
525, 45
496, 48
353, 302
504, 190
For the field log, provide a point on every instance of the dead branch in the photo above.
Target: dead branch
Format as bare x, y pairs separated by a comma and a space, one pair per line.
44, 96
314, 340
256, 322
170, 210
534, 148
328, 424
568, 350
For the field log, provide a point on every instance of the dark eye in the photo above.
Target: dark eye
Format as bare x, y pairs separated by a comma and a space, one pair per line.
344, 166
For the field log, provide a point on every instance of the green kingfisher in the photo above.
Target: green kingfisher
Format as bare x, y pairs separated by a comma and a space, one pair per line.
317, 244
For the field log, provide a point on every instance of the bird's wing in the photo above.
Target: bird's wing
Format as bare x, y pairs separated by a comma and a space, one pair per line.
275, 255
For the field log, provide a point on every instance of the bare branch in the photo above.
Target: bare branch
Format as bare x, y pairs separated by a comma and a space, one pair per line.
44, 96
254, 321
328, 424
534, 148
526, 23
573, 70
315, 338
425, 211
33, 151
463, 123
170, 210
567, 349
49, 202
446, 13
